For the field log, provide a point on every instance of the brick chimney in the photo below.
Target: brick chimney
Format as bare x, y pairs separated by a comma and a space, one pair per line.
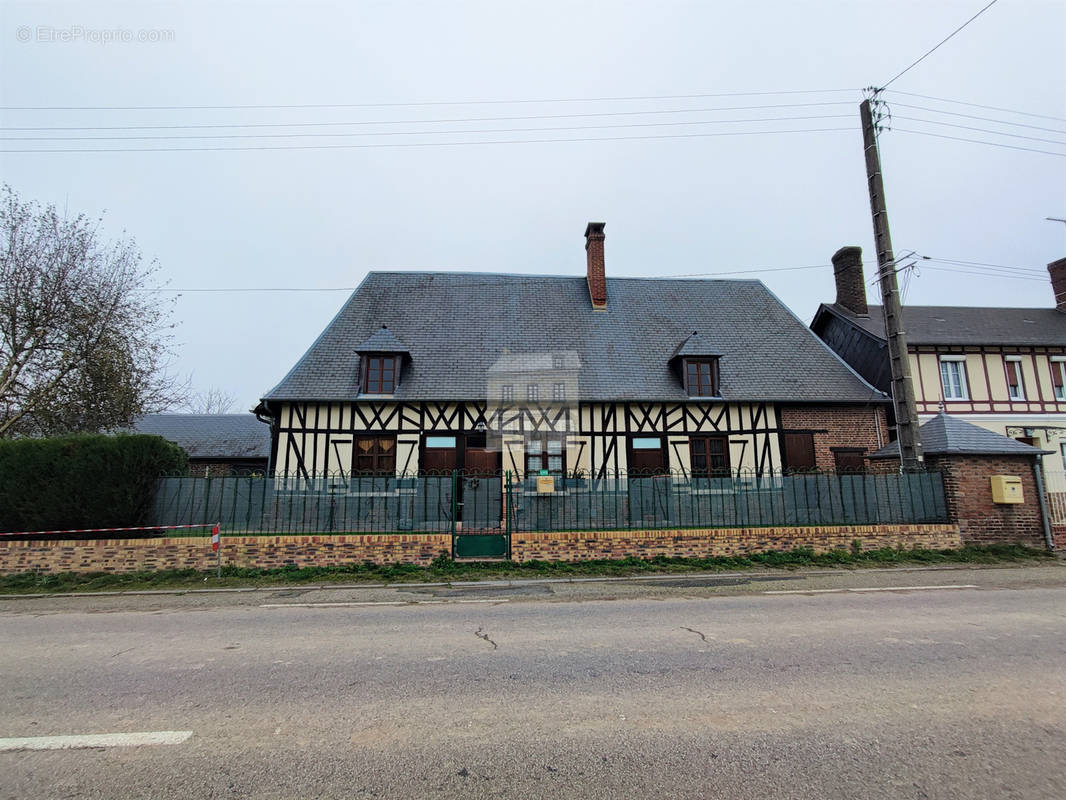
851, 286
1058, 282
597, 278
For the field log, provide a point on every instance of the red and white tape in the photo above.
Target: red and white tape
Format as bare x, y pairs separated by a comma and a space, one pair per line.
213, 525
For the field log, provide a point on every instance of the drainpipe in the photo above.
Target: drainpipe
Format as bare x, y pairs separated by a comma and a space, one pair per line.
1043, 504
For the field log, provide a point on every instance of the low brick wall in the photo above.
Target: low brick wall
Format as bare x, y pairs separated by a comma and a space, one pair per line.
588, 545
133, 555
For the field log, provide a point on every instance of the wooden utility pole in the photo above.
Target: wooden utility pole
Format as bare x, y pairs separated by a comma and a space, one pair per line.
910, 444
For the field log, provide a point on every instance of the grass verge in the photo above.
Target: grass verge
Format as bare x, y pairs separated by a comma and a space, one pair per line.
443, 569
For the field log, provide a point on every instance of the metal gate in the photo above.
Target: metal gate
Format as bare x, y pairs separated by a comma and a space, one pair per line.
482, 529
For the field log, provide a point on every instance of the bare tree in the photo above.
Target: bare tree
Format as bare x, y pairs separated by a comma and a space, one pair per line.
212, 401
83, 346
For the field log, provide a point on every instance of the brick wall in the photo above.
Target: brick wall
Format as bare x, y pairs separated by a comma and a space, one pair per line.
837, 426
133, 555
968, 493
588, 545
968, 496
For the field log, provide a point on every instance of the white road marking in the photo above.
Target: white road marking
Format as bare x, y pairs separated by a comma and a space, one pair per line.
874, 589
94, 740
381, 603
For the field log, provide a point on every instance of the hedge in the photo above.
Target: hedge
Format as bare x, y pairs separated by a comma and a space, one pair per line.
84, 481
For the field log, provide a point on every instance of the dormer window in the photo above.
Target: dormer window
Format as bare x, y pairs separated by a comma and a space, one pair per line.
380, 375
695, 362
701, 377
381, 357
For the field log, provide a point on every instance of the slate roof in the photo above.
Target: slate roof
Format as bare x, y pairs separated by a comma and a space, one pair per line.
945, 434
961, 325
458, 325
694, 345
219, 436
382, 341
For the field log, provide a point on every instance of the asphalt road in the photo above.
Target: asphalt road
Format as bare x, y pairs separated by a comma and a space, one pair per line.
550, 691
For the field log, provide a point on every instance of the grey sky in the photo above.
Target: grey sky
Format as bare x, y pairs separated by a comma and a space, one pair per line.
323, 217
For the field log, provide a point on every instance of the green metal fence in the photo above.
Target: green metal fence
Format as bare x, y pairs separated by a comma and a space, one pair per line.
507, 501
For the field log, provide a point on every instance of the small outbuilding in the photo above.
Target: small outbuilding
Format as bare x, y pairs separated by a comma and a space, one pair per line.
993, 487
217, 444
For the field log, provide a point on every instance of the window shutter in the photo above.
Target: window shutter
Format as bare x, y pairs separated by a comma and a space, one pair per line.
1056, 373
799, 451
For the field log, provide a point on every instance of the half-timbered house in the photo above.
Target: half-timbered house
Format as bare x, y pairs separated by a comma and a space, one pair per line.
1003, 369
568, 377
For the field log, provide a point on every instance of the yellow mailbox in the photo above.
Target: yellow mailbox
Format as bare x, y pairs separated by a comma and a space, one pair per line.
545, 484
1007, 489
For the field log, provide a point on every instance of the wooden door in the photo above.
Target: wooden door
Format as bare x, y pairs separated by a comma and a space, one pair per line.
480, 461
799, 452
849, 462
440, 455
646, 456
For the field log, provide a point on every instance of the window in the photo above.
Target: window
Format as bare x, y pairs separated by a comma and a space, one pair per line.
710, 456
507, 392
849, 460
953, 377
798, 452
701, 377
558, 391
1015, 387
558, 362
375, 455
532, 392
380, 376
440, 441
1058, 377
546, 453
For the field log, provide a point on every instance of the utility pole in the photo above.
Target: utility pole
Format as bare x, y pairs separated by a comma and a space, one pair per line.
910, 444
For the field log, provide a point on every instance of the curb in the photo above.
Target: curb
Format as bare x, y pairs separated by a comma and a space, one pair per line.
517, 582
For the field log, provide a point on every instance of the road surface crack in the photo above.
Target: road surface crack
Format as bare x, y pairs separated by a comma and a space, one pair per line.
478, 633
693, 630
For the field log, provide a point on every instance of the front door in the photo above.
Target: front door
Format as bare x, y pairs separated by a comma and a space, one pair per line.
440, 459
482, 489
649, 481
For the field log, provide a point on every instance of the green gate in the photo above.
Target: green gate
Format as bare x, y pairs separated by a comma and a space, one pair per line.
484, 535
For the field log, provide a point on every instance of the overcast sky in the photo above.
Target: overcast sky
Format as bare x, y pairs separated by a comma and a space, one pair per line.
321, 218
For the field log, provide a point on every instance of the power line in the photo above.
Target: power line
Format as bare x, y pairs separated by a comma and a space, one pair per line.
421, 144
984, 274
975, 268
942, 41
983, 264
961, 139
969, 116
945, 124
422, 103
430, 121
407, 133
978, 105
745, 271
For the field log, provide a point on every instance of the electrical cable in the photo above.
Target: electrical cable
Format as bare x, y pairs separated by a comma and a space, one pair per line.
978, 105
421, 144
431, 121
970, 116
942, 41
404, 133
951, 125
421, 103
975, 141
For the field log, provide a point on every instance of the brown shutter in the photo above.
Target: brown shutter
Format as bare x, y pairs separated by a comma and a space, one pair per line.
799, 451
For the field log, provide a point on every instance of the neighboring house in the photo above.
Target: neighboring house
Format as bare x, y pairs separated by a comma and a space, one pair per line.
1003, 369
217, 444
586, 376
